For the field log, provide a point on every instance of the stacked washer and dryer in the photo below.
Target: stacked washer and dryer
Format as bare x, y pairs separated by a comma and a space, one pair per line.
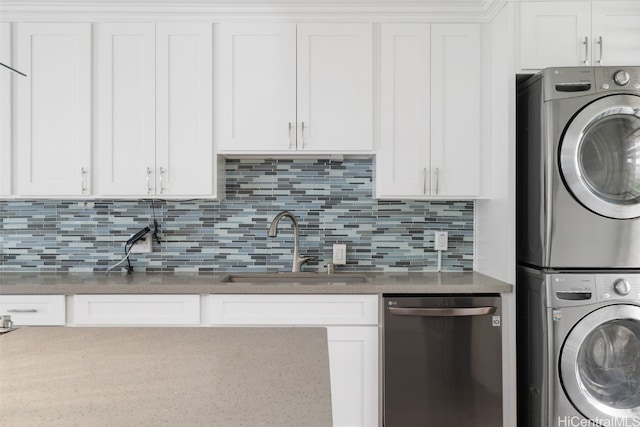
578, 240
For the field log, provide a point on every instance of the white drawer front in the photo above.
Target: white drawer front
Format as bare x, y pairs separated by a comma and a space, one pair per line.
292, 310
136, 309
34, 310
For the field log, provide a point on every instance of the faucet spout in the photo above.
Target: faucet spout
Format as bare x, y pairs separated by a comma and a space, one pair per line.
273, 232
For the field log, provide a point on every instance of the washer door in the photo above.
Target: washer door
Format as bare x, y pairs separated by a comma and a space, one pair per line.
600, 156
600, 365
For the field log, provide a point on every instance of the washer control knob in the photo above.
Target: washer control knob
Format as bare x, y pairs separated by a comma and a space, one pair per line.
606, 295
605, 86
622, 287
621, 78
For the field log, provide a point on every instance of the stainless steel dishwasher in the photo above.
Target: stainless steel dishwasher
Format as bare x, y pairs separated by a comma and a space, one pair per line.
442, 361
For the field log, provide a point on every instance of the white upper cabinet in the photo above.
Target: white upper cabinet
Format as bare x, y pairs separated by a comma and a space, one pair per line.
288, 87
52, 109
185, 163
154, 110
5, 109
405, 103
256, 86
616, 24
430, 135
570, 33
335, 98
125, 108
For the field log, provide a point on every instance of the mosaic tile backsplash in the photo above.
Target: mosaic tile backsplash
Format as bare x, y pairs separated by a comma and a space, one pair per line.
332, 200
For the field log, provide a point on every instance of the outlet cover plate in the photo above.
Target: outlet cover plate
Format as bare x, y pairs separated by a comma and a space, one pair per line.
143, 246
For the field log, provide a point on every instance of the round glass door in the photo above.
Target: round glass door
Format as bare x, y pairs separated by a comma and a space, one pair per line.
600, 156
600, 364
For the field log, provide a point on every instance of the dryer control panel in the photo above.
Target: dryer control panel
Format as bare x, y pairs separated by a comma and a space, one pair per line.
618, 287
617, 78
572, 289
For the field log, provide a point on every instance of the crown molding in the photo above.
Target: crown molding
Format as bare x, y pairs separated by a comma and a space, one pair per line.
249, 10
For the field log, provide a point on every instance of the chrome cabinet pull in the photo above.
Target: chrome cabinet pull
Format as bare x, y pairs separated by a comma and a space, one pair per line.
22, 310
443, 312
290, 140
437, 180
83, 174
161, 182
424, 181
302, 135
601, 43
586, 50
148, 180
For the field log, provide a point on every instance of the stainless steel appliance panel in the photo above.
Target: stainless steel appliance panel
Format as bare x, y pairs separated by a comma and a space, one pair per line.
578, 198
442, 361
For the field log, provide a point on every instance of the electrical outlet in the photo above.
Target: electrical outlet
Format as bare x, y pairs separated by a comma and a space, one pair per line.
339, 254
143, 246
440, 240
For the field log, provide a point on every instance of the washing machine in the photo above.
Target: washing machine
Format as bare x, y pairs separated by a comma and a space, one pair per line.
578, 169
581, 338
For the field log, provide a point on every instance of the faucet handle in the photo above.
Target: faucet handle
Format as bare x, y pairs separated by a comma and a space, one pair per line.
330, 268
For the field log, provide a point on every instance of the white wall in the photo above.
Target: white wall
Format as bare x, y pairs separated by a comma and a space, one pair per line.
495, 217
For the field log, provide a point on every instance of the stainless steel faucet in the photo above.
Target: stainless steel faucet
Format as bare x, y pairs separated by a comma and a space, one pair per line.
273, 232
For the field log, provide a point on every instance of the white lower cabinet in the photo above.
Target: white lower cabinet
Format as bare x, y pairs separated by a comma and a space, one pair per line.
34, 310
352, 332
135, 310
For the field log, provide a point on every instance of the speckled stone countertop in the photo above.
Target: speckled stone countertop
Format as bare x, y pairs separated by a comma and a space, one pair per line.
184, 283
241, 377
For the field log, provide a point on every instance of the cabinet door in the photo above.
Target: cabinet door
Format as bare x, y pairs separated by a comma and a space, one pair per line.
136, 310
34, 310
184, 141
5, 109
403, 158
455, 110
125, 108
353, 361
335, 87
255, 75
616, 32
53, 109
554, 34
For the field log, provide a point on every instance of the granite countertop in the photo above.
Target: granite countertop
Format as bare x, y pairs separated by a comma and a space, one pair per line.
211, 283
243, 377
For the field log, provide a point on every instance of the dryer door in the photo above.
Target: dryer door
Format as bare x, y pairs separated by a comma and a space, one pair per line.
600, 156
600, 365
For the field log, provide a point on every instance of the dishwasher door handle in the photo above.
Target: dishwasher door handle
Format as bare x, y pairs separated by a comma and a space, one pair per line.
443, 312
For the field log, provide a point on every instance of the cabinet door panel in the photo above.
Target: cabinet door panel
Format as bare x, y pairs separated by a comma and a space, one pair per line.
618, 23
184, 110
353, 360
455, 109
335, 87
53, 107
126, 108
255, 86
552, 34
5, 109
405, 110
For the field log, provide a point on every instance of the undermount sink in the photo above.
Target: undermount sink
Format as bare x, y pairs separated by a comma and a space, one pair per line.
272, 278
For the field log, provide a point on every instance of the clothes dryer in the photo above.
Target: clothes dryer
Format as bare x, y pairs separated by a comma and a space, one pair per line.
579, 349
578, 169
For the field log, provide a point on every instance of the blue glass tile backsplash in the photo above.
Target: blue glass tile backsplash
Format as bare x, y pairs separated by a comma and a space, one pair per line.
332, 200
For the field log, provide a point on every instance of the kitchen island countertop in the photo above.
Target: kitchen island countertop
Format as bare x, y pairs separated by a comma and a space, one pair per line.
211, 283
242, 377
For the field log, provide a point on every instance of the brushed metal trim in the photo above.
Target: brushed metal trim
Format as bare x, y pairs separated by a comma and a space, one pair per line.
583, 401
569, 162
